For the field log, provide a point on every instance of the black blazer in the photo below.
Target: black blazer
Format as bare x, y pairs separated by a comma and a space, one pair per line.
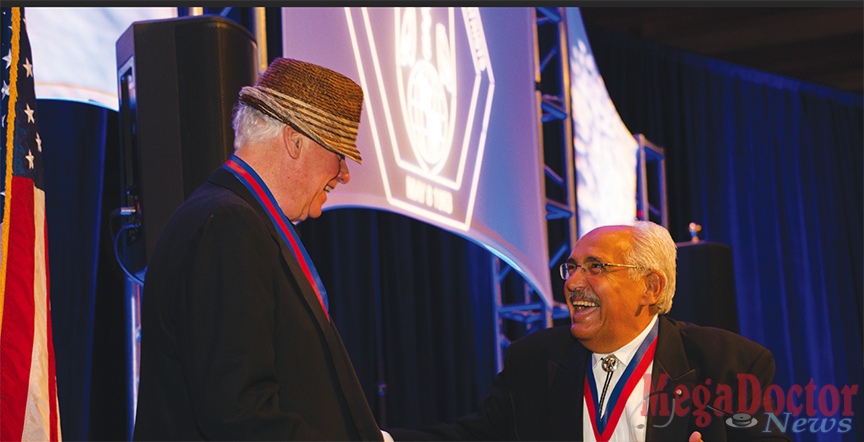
538, 394
234, 342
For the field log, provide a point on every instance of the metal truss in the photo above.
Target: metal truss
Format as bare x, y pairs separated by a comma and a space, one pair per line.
651, 182
519, 309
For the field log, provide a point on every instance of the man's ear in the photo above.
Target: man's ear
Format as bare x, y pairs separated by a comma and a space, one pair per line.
293, 141
655, 282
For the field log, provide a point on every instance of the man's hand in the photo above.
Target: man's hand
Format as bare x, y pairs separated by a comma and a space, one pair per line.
695, 437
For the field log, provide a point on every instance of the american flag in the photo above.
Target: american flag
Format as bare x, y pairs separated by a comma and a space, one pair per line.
28, 387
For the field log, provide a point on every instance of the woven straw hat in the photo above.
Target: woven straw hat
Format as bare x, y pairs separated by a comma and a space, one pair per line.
322, 104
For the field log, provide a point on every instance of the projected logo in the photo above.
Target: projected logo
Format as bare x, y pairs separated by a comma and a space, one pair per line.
429, 87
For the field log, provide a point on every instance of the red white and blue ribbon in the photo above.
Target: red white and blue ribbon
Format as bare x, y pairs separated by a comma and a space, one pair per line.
256, 185
604, 426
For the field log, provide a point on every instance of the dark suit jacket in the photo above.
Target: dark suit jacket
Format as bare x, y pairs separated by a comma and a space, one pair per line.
234, 342
538, 394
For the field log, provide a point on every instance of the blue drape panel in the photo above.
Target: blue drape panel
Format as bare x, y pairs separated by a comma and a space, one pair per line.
427, 293
773, 167
73, 151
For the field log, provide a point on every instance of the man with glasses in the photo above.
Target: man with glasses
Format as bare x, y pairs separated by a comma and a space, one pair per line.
622, 370
236, 340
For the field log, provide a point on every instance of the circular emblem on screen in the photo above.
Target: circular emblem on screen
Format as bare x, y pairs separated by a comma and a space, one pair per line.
426, 77
427, 114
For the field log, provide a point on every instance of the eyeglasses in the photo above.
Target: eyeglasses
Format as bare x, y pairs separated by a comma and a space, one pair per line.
591, 269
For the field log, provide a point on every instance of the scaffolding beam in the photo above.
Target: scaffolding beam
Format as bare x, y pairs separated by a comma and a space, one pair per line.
651, 204
519, 310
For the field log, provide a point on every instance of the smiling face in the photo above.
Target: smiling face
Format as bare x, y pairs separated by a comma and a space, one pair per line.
608, 310
322, 170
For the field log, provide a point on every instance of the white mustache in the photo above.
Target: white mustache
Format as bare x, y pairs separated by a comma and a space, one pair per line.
584, 294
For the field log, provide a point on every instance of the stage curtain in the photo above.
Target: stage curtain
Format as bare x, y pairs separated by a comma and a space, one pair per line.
772, 167
73, 152
413, 304
82, 186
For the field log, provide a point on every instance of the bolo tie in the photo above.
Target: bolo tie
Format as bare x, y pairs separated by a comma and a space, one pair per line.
610, 363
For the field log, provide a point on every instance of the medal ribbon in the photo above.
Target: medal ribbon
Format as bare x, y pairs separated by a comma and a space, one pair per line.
605, 426
256, 185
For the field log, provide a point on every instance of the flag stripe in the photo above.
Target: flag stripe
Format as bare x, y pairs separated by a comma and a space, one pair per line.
17, 338
38, 416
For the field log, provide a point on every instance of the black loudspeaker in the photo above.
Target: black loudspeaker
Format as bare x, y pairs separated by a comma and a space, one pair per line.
179, 80
705, 293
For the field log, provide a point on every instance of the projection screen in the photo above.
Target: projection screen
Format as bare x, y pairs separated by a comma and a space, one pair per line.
74, 50
449, 132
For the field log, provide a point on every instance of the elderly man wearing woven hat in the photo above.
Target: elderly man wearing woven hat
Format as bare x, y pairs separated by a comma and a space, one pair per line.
236, 340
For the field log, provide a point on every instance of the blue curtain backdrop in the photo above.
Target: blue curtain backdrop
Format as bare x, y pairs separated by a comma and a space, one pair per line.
413, 304
73, 141
773, 167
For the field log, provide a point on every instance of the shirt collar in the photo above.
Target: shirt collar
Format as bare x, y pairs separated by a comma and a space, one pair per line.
625, 353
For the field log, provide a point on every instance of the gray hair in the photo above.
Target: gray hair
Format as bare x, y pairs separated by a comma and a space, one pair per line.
252, 126
653, 247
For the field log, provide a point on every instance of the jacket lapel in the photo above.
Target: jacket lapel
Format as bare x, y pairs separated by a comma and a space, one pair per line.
566, 382
225, 179
356, 400
671, 374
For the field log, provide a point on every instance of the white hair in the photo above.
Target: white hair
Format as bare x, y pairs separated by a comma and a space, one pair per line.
252, 126
653, 247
